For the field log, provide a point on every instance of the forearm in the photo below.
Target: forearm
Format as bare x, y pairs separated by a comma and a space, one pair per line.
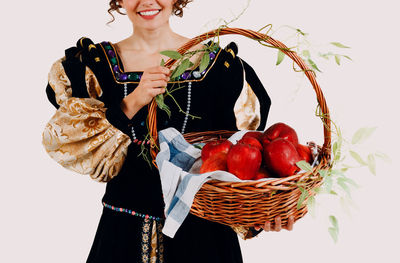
130, 106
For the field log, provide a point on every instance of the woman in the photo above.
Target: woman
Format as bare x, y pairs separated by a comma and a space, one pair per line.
100, 92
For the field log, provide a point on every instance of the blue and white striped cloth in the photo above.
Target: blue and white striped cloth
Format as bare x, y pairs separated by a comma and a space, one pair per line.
179, 164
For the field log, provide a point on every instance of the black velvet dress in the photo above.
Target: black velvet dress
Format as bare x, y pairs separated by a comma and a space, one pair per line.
131, 222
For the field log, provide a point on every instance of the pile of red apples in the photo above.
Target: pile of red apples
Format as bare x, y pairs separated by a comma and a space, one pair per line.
272, 153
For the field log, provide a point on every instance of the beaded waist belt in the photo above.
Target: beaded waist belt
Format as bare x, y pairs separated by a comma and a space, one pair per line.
131, 212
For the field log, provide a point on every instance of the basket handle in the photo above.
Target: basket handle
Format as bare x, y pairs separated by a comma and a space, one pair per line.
326, 148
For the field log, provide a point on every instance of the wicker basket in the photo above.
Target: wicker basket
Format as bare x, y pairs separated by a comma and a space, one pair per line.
253, 203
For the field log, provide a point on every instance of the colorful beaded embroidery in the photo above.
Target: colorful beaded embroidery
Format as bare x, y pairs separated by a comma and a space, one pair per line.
131, 212
122, 76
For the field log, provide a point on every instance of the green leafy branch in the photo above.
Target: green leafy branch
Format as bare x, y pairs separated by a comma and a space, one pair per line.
337, 181
305, 49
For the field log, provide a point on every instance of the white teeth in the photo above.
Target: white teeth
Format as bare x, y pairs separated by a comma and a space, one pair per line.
149, 13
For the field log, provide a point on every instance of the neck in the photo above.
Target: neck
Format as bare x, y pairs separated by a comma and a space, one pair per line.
152, 40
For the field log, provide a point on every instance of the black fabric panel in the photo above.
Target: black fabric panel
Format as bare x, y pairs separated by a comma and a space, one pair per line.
200, 241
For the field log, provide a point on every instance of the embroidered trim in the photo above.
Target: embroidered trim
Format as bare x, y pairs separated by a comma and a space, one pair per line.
152, 242
131, 212
160, 244
146, 237
134, 77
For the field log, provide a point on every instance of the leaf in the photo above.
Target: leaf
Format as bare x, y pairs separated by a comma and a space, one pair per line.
162, 63
337, 172
323, 173
337, 44
181, 68
306, 53
344, 186
198, 146
328, 184
303, 196
337, 59
311, 205
362, 134
281, 56
333, 233
334, 229
172, 54
383, 156
349, 58
358, 158
313, 65
160, 103
317, 190
333, 192
301, 32
371, 163
205, 60
350, 181
334, 222
303, 165
334, 148
337, 156
326, 55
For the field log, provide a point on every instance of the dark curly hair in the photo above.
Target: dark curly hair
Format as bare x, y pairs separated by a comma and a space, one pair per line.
177, 9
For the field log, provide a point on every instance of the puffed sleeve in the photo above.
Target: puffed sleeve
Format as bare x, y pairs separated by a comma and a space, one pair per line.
251, 109
245, 103
83, 135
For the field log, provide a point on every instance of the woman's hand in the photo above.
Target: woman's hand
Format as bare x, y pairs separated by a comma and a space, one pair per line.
153, 82
278, 225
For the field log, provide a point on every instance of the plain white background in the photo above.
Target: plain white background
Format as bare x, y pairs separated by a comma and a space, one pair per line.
49, 214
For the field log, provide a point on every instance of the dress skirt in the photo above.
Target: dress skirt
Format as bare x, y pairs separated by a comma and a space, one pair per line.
121, 238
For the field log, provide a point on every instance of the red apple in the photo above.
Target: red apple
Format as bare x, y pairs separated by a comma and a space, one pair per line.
215, 162
281, 156
304, 152
280, 130
213, 147
252, 141
262, 173
255, 134
244, 160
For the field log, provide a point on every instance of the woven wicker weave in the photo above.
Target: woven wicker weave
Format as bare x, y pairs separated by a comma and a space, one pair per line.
253, 203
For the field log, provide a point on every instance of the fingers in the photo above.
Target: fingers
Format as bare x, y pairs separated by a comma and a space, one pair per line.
290, 223
158, 84
157, 76
267, 226
159, 69
278, 223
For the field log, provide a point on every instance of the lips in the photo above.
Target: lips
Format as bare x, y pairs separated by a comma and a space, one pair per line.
149, 13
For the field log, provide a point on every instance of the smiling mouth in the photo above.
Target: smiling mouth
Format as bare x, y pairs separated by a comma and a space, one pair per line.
149, 13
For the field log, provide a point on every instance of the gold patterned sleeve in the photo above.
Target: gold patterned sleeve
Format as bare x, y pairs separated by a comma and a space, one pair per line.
247, 109
252, 106
79, 136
